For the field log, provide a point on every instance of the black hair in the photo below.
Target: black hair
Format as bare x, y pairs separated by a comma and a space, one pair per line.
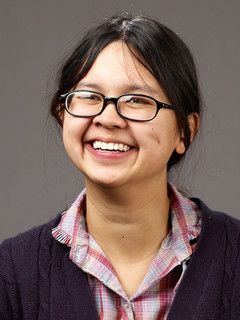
157, 47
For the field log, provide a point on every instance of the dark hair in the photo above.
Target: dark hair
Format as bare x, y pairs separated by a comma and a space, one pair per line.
158, 48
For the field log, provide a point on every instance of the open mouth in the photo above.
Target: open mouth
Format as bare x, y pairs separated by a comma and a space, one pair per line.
109, 146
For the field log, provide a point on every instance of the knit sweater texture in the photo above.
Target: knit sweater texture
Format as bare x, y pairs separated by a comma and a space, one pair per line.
39, 281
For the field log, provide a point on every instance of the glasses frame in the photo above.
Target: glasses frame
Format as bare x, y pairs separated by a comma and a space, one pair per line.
106, 100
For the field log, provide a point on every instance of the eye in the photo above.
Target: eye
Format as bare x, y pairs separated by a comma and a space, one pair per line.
136, 100
85, 98
89, 96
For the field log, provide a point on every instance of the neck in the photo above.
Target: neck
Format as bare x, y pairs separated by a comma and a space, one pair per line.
129, 223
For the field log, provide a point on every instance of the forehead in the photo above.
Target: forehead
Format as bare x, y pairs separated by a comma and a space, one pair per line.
117, 67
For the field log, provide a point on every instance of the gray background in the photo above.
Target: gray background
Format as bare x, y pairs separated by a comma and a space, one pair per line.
36, 178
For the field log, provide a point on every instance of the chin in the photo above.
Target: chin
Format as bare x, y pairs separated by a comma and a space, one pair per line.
106, 181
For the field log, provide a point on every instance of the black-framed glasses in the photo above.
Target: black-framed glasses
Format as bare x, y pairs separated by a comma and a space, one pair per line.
136, 107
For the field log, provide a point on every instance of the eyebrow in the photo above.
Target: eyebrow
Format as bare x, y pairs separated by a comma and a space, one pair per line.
127, 87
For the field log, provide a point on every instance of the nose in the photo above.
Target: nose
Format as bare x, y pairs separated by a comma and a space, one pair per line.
109, 117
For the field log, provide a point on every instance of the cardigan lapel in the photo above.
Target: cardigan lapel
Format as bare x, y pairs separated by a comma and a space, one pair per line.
79, 290
192, 284
76, 283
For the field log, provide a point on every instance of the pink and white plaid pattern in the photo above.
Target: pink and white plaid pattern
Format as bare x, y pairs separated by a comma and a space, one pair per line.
155, 294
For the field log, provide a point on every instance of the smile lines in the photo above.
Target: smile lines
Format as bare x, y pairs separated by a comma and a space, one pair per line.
112, 146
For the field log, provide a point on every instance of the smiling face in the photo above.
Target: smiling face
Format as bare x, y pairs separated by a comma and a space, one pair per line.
142, 148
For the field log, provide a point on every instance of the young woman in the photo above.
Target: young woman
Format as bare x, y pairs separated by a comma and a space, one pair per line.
131, 246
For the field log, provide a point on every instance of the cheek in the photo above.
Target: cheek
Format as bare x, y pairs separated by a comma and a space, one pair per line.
164, 137
155, 135
73, 132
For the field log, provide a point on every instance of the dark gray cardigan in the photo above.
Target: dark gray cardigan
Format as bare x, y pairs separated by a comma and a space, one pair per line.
39, 281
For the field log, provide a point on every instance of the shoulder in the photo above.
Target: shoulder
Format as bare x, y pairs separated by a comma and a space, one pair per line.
23, 259
28, 239
209, 213
219, 224
22, 251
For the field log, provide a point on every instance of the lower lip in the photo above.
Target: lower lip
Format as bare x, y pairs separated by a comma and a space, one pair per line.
108, 154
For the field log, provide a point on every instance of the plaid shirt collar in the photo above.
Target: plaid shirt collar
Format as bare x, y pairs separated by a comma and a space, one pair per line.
88, 255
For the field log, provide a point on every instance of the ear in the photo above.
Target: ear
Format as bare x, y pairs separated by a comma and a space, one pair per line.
193, 123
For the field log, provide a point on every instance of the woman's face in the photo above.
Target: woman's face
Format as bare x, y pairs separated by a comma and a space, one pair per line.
116, 72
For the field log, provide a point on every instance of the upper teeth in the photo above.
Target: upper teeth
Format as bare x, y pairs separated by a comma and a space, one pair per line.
110, 146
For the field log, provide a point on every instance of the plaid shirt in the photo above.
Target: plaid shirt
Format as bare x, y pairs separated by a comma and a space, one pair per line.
153, 298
